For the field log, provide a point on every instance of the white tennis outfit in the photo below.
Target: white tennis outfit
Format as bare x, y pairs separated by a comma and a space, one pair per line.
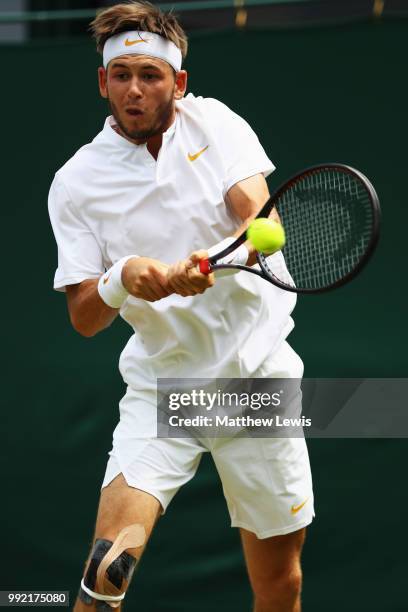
113, 199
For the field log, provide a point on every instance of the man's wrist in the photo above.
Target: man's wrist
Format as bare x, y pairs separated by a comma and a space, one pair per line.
239, 256
110, 286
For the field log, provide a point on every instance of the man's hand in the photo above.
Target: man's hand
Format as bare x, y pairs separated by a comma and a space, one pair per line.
185, 279
146, 278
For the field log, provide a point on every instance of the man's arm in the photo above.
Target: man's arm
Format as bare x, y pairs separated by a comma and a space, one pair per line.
245, 200
87, 311
142, 277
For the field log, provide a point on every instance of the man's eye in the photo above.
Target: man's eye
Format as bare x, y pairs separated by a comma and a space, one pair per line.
122, 76
150, 77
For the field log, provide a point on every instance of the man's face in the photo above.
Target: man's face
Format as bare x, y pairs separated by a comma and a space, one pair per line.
141, 92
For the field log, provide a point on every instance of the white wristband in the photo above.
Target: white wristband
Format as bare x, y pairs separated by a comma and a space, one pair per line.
110, 286
240, 256
220, 246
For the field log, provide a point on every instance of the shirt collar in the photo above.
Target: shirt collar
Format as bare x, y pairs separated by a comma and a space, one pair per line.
112, 135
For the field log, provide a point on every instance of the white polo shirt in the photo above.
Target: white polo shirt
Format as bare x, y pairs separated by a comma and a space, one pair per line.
112, 199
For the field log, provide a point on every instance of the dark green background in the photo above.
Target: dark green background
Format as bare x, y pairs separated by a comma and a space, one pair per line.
330, 94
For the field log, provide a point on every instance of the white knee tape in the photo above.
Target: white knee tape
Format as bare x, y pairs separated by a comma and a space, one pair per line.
99, 597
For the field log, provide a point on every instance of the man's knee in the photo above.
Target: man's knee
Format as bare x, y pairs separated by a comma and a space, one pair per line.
110, 568
284, 587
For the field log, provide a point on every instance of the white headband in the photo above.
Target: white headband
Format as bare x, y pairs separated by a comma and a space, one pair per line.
142, 43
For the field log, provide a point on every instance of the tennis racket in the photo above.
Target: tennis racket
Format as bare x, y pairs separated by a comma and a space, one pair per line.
331, 217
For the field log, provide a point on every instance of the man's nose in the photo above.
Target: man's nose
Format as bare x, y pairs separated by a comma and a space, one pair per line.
135, 89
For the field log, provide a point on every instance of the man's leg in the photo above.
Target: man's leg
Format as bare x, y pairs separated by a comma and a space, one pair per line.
126, 517
274, 570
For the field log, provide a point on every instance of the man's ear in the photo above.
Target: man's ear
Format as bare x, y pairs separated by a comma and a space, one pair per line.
102, 77
180, 84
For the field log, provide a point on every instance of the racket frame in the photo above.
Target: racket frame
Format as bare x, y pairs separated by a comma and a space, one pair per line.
209, 265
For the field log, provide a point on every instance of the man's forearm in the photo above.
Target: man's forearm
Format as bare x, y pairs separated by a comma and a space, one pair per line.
88, 312
251, 250
245, 200
142, 277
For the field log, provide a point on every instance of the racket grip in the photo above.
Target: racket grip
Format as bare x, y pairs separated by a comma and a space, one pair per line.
204, 266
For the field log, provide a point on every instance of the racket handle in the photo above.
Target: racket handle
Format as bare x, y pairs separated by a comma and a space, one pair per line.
204, 266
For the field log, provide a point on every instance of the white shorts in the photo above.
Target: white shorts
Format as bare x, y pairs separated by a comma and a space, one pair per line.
267, 482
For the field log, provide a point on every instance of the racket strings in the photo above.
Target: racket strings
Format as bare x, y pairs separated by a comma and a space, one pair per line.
328, 221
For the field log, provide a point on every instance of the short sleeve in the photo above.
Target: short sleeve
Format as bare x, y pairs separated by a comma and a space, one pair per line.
240, 148
79, 256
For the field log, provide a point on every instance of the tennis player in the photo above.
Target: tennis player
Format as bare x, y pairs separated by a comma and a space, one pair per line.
170, 178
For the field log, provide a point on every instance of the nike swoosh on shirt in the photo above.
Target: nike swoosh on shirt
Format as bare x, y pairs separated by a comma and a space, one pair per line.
296, 509
105, 280
194, 157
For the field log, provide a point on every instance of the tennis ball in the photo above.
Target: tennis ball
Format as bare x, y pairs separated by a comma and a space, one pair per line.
266, 235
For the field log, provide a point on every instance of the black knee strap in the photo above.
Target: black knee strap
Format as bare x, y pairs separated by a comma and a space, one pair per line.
119, 570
